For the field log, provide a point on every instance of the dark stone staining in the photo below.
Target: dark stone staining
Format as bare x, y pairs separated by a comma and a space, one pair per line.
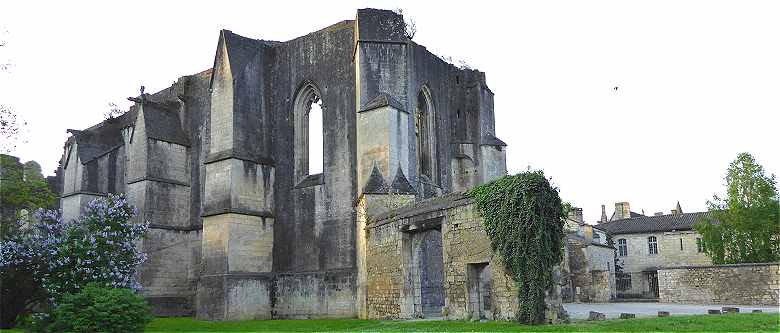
384, 25
314, 225
328, 66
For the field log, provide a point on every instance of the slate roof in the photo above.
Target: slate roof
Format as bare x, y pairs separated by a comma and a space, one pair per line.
491, 140
164, 125
647, 224
400, 184
376, 183
101, 138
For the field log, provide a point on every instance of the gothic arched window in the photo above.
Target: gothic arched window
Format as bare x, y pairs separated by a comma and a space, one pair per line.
309, 135
424, 128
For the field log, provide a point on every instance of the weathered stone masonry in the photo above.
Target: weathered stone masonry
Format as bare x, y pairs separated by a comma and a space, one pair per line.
218, 164
742, 284
474, 282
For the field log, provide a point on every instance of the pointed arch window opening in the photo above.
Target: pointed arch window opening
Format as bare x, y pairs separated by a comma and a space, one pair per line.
425, 138
309, 146
315, 134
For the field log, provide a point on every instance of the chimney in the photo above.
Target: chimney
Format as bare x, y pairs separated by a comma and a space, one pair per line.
603, 213
622, 210
658, 213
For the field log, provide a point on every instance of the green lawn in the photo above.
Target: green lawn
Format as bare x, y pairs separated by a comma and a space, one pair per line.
746, 322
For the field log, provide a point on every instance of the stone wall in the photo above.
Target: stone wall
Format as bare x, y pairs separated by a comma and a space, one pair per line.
466, 243
743, 284
467, 261
170, 274
588, 272
315, 295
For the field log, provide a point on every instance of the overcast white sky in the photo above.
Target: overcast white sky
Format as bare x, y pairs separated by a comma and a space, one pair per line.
699, 81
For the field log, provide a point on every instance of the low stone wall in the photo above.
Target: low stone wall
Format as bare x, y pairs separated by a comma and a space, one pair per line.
743, 284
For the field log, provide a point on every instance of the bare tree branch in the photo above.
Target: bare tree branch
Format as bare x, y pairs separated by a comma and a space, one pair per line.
410, 26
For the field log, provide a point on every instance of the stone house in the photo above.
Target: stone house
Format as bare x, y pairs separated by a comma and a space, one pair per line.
646, 243
223, 165
589, 262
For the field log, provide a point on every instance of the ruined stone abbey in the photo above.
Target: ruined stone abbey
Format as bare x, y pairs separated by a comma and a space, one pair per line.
241, 228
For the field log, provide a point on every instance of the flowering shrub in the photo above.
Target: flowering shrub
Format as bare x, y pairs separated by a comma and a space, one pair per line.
100, 309
19, 290
97, 247
63, 256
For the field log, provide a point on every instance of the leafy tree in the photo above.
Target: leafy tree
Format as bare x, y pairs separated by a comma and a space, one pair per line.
524, 219
19, 263
567, 208
22, 187
745, 225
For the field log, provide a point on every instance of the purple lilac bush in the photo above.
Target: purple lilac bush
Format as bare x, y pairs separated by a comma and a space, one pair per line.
64, 256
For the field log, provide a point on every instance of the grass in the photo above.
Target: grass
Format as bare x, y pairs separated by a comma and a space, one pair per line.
746, 322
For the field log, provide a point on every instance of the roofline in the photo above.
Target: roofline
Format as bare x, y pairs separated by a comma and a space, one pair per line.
648, 232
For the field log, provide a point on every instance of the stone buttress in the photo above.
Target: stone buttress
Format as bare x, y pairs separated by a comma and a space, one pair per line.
236, 281
218, 163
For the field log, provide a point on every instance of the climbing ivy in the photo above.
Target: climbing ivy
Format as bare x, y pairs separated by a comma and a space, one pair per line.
523, 217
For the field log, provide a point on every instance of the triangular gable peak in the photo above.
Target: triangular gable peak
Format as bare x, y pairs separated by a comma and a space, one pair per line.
234, 53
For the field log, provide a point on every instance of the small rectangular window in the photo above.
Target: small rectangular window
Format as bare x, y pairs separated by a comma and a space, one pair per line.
681, 244
652, 245
622, 248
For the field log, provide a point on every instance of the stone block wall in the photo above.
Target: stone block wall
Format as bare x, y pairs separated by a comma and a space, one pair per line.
465, 249
465, 243
743, 284
600, 291
587, 271
383, 271
327, 294
170, 274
